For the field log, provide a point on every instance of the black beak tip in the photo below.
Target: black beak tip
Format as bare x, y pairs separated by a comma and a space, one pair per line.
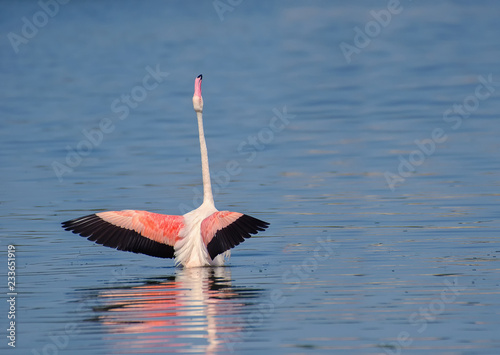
199, 77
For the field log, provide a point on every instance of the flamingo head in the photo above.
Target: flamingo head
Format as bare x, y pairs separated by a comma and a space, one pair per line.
197, 99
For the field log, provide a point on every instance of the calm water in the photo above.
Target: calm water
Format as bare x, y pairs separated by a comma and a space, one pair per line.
370, 147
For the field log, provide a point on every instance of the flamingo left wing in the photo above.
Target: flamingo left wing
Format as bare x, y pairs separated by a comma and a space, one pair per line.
136, 231
224, 230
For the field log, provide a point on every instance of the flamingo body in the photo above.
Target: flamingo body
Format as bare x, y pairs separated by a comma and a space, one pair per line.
202, 237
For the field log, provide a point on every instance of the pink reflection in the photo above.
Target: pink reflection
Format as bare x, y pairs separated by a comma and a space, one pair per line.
198, 311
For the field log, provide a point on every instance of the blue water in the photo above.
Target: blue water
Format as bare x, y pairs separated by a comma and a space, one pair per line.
377, 168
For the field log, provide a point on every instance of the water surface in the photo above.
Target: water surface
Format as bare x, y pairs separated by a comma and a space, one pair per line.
353, 262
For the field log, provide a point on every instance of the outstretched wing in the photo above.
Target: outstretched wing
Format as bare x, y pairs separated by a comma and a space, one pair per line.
223, 230
136, 231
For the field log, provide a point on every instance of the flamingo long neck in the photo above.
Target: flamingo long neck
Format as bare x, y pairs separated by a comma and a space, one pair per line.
207, 186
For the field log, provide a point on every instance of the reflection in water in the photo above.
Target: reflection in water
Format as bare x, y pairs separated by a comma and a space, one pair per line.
196, 309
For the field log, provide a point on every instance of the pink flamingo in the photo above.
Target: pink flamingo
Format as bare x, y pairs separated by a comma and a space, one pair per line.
201, 237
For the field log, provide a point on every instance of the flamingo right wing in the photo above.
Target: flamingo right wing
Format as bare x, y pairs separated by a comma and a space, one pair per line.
136, 231
224, 230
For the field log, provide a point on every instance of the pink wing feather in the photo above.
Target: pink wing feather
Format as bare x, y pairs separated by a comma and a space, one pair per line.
136, 231
224, 230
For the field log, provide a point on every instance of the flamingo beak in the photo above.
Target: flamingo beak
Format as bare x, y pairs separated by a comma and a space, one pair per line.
197, 85
197, 99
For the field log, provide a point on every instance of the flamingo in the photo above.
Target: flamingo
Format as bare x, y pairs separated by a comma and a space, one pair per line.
202, 237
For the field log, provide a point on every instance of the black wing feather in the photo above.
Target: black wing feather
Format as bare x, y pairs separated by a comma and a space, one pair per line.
98, 230
235, 233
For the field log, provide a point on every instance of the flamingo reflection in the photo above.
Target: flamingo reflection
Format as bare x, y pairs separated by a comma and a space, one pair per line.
197, 309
